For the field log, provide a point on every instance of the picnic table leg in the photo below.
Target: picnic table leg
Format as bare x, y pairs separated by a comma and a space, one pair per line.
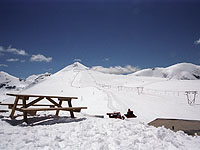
14, 107
24, 106
71, 112
57, 111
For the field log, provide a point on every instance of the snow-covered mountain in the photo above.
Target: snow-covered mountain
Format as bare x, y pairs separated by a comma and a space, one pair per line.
34, 79
8, 81
37, 78
181, 71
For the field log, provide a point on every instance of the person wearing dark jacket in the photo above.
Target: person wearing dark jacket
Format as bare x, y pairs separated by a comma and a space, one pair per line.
130, 114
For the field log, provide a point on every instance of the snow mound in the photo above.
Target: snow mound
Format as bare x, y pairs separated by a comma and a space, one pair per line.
181, 71
94, 134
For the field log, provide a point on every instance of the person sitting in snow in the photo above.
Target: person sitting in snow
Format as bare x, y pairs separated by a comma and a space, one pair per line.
130, 114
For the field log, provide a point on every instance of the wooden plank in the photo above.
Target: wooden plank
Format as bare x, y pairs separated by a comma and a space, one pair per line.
62, 97
65, 99
18, 109
56, 108
14, 107
52, 101
24, 106
3, 111
32, 113
9, 104
71, 112
31, 95
60, 103
34, 101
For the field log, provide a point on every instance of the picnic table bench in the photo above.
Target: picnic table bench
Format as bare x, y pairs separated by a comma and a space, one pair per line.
25, 107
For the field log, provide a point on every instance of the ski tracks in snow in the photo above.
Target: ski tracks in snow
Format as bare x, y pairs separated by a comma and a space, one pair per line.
74, 79
114, 103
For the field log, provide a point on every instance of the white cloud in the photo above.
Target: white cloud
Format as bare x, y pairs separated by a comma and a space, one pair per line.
106, 59
116, 70
22, 60
77, 60
40, 58
197, 42
12, 60
13, 50
3, 65
1, 48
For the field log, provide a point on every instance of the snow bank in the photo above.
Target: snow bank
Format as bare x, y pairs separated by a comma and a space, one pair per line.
93, 133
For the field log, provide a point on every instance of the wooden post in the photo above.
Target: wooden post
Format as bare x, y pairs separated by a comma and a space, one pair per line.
71, 112
24, 106
60, 103
14, 107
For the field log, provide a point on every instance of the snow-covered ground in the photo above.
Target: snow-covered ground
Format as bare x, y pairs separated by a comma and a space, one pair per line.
94, 134
148, 97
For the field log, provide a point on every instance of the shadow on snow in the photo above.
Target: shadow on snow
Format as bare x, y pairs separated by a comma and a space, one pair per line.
42, 120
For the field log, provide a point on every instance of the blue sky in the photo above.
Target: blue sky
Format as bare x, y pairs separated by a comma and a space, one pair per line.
45, 36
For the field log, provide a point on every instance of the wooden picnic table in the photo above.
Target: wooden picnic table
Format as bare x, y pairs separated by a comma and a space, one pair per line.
54, 105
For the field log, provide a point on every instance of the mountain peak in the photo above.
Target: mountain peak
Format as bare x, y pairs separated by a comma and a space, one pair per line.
78, 64
75, 66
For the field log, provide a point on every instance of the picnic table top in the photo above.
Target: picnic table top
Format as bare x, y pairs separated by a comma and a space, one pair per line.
32, 95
